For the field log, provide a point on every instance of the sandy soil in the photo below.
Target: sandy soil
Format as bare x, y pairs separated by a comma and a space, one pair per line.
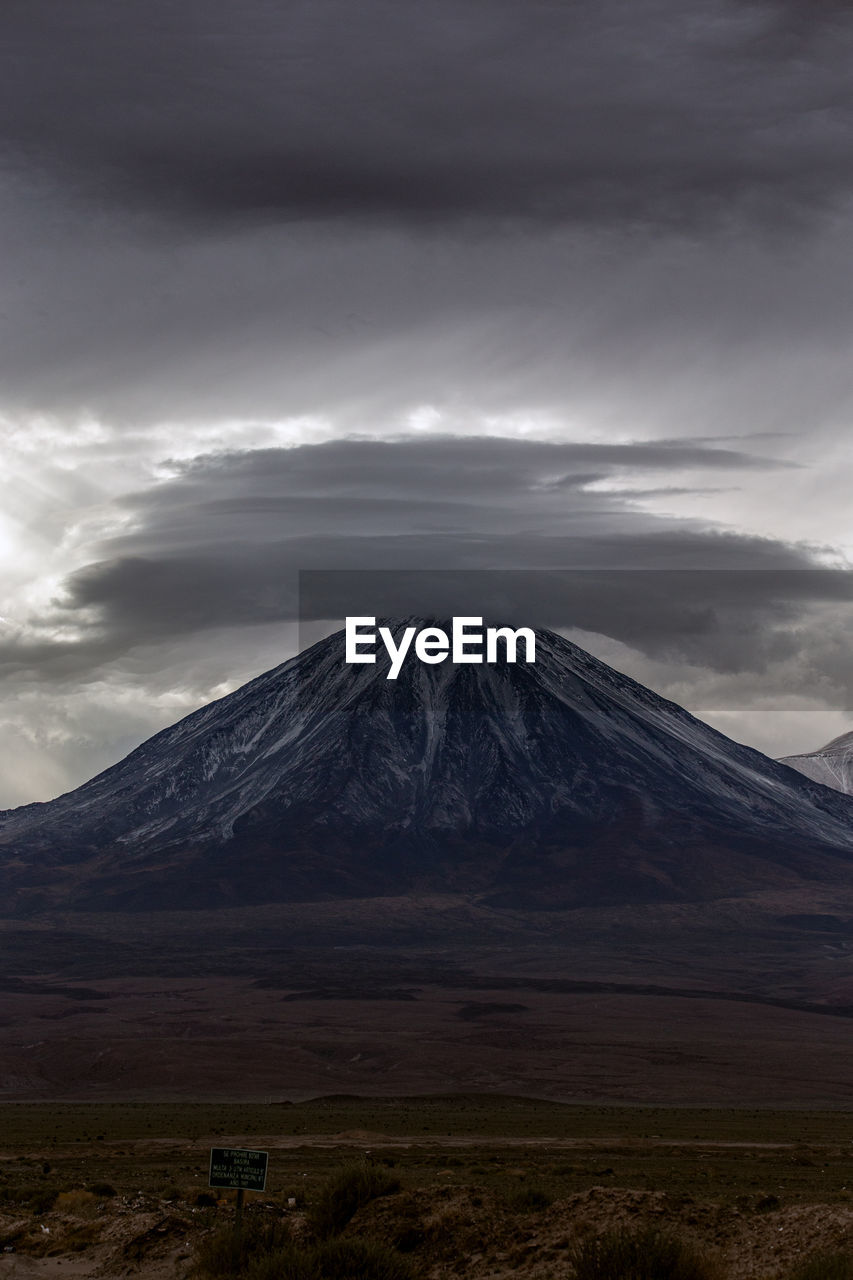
122, 1240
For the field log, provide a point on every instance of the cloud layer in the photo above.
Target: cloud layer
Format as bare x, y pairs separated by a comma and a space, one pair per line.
223, 543
577, 277
542, 111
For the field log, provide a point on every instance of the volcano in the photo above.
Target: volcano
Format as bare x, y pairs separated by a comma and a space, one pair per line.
557, 784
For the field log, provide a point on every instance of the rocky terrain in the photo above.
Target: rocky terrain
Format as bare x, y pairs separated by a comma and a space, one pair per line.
488, 1187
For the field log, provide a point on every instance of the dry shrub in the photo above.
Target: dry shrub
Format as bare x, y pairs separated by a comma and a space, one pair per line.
647, 1254
332, 1260
38, 1195
266, 1252
339, 1199
226, 1252
81, 1203
43, 1200
824, 1266
103, 1190
528, 1199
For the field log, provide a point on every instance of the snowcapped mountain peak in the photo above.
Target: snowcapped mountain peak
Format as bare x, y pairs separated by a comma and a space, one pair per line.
560, 780
831, 765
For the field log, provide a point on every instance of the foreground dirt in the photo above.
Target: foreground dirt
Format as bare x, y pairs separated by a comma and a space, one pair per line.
467, 1233
447, 1232
124, 1238
487, 1186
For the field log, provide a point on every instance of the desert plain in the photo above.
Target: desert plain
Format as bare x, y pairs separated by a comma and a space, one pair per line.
523, 1081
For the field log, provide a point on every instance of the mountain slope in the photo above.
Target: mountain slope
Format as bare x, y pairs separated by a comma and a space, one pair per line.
832, 765
554, 784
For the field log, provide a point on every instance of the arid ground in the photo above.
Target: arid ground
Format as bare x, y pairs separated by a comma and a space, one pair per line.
745, 1002
686, 1066
489, 1186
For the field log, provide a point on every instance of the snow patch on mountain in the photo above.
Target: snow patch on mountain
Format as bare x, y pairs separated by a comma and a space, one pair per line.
831, 765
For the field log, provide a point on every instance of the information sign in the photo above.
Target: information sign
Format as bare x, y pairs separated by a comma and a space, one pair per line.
238, 1167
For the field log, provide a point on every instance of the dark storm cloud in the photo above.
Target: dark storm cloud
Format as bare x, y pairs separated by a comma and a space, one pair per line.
450, 196
222, 545
801, 20
459, 109
228, 227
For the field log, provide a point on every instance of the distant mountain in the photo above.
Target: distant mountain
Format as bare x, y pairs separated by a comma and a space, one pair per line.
562, 783
832, 765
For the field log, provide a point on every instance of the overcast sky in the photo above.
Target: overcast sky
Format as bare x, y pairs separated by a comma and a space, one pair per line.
494, 283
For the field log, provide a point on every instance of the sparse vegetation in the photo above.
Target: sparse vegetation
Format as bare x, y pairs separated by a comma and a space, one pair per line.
79, 1202
742, 1183
103, 1190
835, 1265
39, 1197
43, 1200
528, 1199
332, 1260
268, 1253
647, 1254
81, 1238
225, 1252
345, 1193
